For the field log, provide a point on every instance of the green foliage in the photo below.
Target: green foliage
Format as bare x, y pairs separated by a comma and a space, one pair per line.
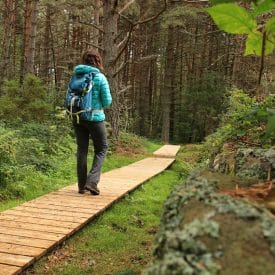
262, 6
8, 142
29, 102
195, 117
178, 16
245, 117
232, 18
30, 152
130, 144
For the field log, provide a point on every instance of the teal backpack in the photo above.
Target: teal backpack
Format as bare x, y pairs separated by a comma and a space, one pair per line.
79, 95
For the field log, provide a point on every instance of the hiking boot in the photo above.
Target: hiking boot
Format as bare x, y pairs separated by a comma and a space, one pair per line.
81, 191
92, 188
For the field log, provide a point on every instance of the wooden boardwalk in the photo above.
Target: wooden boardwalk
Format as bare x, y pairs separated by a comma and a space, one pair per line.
32, 229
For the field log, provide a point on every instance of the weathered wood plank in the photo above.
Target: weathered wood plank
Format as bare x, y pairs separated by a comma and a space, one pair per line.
8, 269
168, 151
57, 213
84, 205
6, 238
36, 227
31, 233
72, 194
20, 249
21, 213
33, 220
17, 260
63, 208
63, 205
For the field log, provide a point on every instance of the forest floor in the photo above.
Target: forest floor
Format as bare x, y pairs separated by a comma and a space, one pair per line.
121, 240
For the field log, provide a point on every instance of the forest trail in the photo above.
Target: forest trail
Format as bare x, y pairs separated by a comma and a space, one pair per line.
30, 230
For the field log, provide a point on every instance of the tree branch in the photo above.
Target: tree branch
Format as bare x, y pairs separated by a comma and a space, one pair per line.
125, 44
90, 24
133, 25
147, 58
125, 89
94, 45
153, 17
121, 67
126, 6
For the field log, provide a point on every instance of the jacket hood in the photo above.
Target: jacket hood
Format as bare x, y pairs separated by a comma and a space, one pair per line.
84, 69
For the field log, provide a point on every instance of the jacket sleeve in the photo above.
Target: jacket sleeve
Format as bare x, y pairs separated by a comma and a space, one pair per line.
106, 96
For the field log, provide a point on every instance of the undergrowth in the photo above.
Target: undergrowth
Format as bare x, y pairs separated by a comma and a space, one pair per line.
36, 158
246, 122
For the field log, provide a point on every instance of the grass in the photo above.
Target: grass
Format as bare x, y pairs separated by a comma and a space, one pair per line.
120, 241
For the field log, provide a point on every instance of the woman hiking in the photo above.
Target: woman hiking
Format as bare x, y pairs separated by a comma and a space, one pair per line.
94, 126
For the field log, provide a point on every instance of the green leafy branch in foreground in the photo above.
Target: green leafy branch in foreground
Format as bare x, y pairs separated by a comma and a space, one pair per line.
260, 41
232, 18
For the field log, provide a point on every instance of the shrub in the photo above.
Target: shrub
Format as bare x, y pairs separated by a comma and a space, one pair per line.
245, 121
28, 102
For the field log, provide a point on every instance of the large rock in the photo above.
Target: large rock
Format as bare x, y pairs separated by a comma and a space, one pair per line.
245, 162
206, 232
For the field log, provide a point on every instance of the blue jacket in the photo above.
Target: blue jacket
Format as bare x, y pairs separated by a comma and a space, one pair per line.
100, 93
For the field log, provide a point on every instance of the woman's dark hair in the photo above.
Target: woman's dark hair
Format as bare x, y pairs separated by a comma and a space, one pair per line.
92, 58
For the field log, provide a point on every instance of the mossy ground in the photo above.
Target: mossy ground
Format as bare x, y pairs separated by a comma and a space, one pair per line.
206, 232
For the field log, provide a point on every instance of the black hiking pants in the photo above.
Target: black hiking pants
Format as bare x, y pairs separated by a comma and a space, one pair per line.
97, 131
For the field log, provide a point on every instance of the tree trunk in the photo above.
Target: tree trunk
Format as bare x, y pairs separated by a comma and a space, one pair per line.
168, 85
8, 38
29, 36
45, 72
110, 25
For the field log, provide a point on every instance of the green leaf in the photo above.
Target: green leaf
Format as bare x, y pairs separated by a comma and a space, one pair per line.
254, 44
271, 111
262, 7
232, 18
216, 2
262, 113
270, 30
270, 128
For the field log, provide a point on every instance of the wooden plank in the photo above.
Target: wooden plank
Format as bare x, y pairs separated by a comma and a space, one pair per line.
84, 205
36, 227
63, 205
32, 220
20, 249
87, 196
45, 216
86, 199
110, 195
103, 199
7, 269
65, 208
12, 259
57, 213
169, 151
31, 233
6, 238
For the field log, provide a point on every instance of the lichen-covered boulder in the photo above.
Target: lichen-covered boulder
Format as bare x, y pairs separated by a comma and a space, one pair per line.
206, 232
245, 162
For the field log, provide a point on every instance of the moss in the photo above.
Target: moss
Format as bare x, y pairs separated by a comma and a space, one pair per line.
203, 231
